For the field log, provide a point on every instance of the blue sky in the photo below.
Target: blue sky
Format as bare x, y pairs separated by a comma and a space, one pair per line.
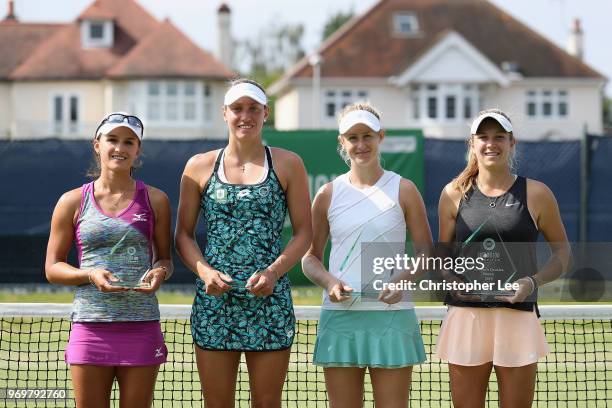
551, 18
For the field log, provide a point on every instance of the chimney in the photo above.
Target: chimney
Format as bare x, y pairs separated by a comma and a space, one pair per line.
10, 15
575, 40
225, 43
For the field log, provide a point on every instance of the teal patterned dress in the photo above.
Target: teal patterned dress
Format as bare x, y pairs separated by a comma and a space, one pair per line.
244, 224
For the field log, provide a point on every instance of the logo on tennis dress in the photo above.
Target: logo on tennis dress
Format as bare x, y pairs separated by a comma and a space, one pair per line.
511, 204
220, 195
158, 352
243, 193
264, 191
139, 217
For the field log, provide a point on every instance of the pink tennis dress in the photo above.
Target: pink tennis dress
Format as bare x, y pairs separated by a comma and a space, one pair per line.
117, 328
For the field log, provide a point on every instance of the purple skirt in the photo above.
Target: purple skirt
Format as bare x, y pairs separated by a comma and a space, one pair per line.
116, 344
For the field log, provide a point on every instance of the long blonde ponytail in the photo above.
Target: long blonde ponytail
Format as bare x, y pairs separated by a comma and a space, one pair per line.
467, 178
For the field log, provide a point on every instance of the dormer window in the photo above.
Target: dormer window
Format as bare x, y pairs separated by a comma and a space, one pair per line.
405, 24
97, 33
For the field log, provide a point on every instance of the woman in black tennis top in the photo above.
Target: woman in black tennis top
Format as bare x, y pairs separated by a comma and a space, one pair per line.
488, 207
503, 224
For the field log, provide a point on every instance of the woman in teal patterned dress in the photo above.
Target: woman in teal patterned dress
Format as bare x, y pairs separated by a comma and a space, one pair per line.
243, 299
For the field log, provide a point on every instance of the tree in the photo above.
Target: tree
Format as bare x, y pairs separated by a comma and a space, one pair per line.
335, 22
607, 114
266, 56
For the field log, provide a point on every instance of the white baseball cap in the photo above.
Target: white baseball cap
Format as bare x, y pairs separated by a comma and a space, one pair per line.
501, 119
120, 119
359, 116
245, 89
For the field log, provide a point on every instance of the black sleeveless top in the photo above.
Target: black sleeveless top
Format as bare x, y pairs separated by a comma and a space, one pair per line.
506, 220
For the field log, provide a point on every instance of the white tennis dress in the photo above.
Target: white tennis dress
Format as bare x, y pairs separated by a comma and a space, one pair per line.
365, 223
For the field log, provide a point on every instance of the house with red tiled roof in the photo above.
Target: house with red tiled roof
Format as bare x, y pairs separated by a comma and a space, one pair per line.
433, 64
59, 80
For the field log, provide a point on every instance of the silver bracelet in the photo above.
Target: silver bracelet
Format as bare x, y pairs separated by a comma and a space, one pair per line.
533, 285
534, 282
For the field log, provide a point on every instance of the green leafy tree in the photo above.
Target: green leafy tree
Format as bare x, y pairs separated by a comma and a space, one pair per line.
607, 114
266, 56
335, 22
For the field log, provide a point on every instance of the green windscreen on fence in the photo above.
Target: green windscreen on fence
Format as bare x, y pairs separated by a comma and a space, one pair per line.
401, 152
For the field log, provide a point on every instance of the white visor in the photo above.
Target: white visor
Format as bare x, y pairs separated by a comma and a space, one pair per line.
106, 128
359, 116
245, 89
501, 119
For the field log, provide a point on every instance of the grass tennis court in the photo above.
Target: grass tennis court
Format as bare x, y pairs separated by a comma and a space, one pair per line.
575, 374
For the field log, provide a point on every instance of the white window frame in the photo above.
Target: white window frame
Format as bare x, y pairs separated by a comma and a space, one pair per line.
341, 98
191, 100
65, 126
416, 111
473, 93
531, 97
172, 102
546, 98
562, 96
430, 92
96, 24
203, 116
421, 93
149, 100
207, 109
108, 36
403, 18
554, 96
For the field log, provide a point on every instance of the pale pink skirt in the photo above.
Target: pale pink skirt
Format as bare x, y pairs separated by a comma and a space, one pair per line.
472, 336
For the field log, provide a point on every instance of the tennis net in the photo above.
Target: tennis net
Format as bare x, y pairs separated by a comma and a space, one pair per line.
577, 372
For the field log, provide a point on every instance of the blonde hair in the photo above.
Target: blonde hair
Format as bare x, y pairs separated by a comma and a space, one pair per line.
466, 180
366, 106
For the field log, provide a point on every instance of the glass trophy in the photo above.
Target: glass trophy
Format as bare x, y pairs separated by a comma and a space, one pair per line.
133, 284
369, 294
129, 261
242, 285
498, 269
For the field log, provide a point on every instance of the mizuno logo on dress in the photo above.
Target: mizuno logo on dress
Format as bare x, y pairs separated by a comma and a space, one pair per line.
140, 217
243, 193
158, 352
